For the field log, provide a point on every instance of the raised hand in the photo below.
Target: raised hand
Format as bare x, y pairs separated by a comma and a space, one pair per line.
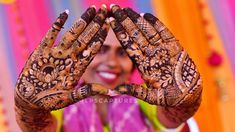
170, 74
48, 79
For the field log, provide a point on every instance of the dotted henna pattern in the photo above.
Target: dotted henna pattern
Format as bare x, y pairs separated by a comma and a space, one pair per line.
169, 73
51, 72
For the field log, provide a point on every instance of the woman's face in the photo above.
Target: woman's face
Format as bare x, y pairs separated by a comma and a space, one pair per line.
111, 66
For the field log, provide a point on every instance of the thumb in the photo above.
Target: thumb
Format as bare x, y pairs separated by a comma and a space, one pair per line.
64, 98
86, 91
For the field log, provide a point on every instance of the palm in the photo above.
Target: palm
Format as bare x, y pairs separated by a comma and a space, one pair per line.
51, 73
169, 73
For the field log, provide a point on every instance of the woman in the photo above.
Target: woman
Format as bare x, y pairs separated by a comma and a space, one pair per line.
50, 76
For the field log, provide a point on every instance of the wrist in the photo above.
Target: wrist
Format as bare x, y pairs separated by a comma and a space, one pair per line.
30, 117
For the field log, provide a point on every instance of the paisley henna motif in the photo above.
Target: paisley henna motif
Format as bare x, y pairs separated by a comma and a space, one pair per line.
48, 79
170, 74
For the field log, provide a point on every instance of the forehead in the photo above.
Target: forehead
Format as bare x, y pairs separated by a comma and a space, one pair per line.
111, 39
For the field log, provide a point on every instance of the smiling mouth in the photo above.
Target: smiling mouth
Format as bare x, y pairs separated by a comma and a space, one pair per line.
108, 77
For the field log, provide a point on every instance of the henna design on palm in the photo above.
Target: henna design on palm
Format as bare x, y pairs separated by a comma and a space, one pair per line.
170, 74
48, 79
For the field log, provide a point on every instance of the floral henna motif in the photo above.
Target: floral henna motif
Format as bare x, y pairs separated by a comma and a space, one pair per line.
170, 74
44, 74
51, 73
48, 79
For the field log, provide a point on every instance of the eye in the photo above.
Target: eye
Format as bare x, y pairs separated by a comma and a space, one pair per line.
121, 52
103, 49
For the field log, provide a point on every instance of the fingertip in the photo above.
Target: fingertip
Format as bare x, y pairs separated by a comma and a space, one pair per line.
142, 14
112, 93
111, 19
93, 6
104, 6
66, 11
107, 20
111, 5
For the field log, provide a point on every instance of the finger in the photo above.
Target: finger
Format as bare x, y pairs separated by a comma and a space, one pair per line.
171, 43
50, 37
72, 34
133, 31
53, 100
86, 56
171, 96
126, 41
87, 91
85, 37
146, 28
164, 32
152, 96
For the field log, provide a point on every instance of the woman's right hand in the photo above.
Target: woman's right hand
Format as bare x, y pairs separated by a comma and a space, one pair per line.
48, 80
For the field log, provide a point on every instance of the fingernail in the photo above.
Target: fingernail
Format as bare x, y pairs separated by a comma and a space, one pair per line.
107, 20
112, 93
93, 6
111, 19
67, 11
111, 5
104, 5
142, 14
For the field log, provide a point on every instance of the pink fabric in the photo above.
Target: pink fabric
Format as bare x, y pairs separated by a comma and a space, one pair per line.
124, 115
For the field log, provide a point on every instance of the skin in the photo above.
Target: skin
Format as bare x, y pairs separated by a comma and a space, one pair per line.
172, 79
112, 60
50, 74
48, 79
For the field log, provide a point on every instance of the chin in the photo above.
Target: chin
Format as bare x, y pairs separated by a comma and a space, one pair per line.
109, 86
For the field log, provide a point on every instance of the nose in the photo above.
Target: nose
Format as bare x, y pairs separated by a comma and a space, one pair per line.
112, 60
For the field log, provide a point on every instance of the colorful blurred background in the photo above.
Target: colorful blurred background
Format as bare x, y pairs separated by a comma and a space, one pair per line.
205, 28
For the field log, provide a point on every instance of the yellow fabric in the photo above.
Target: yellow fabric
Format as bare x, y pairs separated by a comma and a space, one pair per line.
59, 116
106, 128
7, 1
150, 111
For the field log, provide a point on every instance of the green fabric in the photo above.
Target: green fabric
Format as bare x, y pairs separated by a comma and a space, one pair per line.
106, 128
150, 111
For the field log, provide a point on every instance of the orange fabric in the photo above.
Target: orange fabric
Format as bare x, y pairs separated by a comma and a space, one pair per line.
185, 21
222, 74
3, 123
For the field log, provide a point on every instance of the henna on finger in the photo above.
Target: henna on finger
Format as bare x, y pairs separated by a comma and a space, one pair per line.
86, 36
86, 91
178, 112
72, 34
48, 79
171, 76
145, 27
133, 31
87, 55
146, 65
164, 32
128, 43
50, 37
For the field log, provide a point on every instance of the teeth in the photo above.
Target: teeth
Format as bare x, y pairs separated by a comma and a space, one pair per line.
108, 75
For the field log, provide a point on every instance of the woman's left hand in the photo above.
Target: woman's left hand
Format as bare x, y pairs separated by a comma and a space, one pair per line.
170, 74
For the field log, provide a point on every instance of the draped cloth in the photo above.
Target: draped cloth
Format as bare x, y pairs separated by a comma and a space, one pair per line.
124, 114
